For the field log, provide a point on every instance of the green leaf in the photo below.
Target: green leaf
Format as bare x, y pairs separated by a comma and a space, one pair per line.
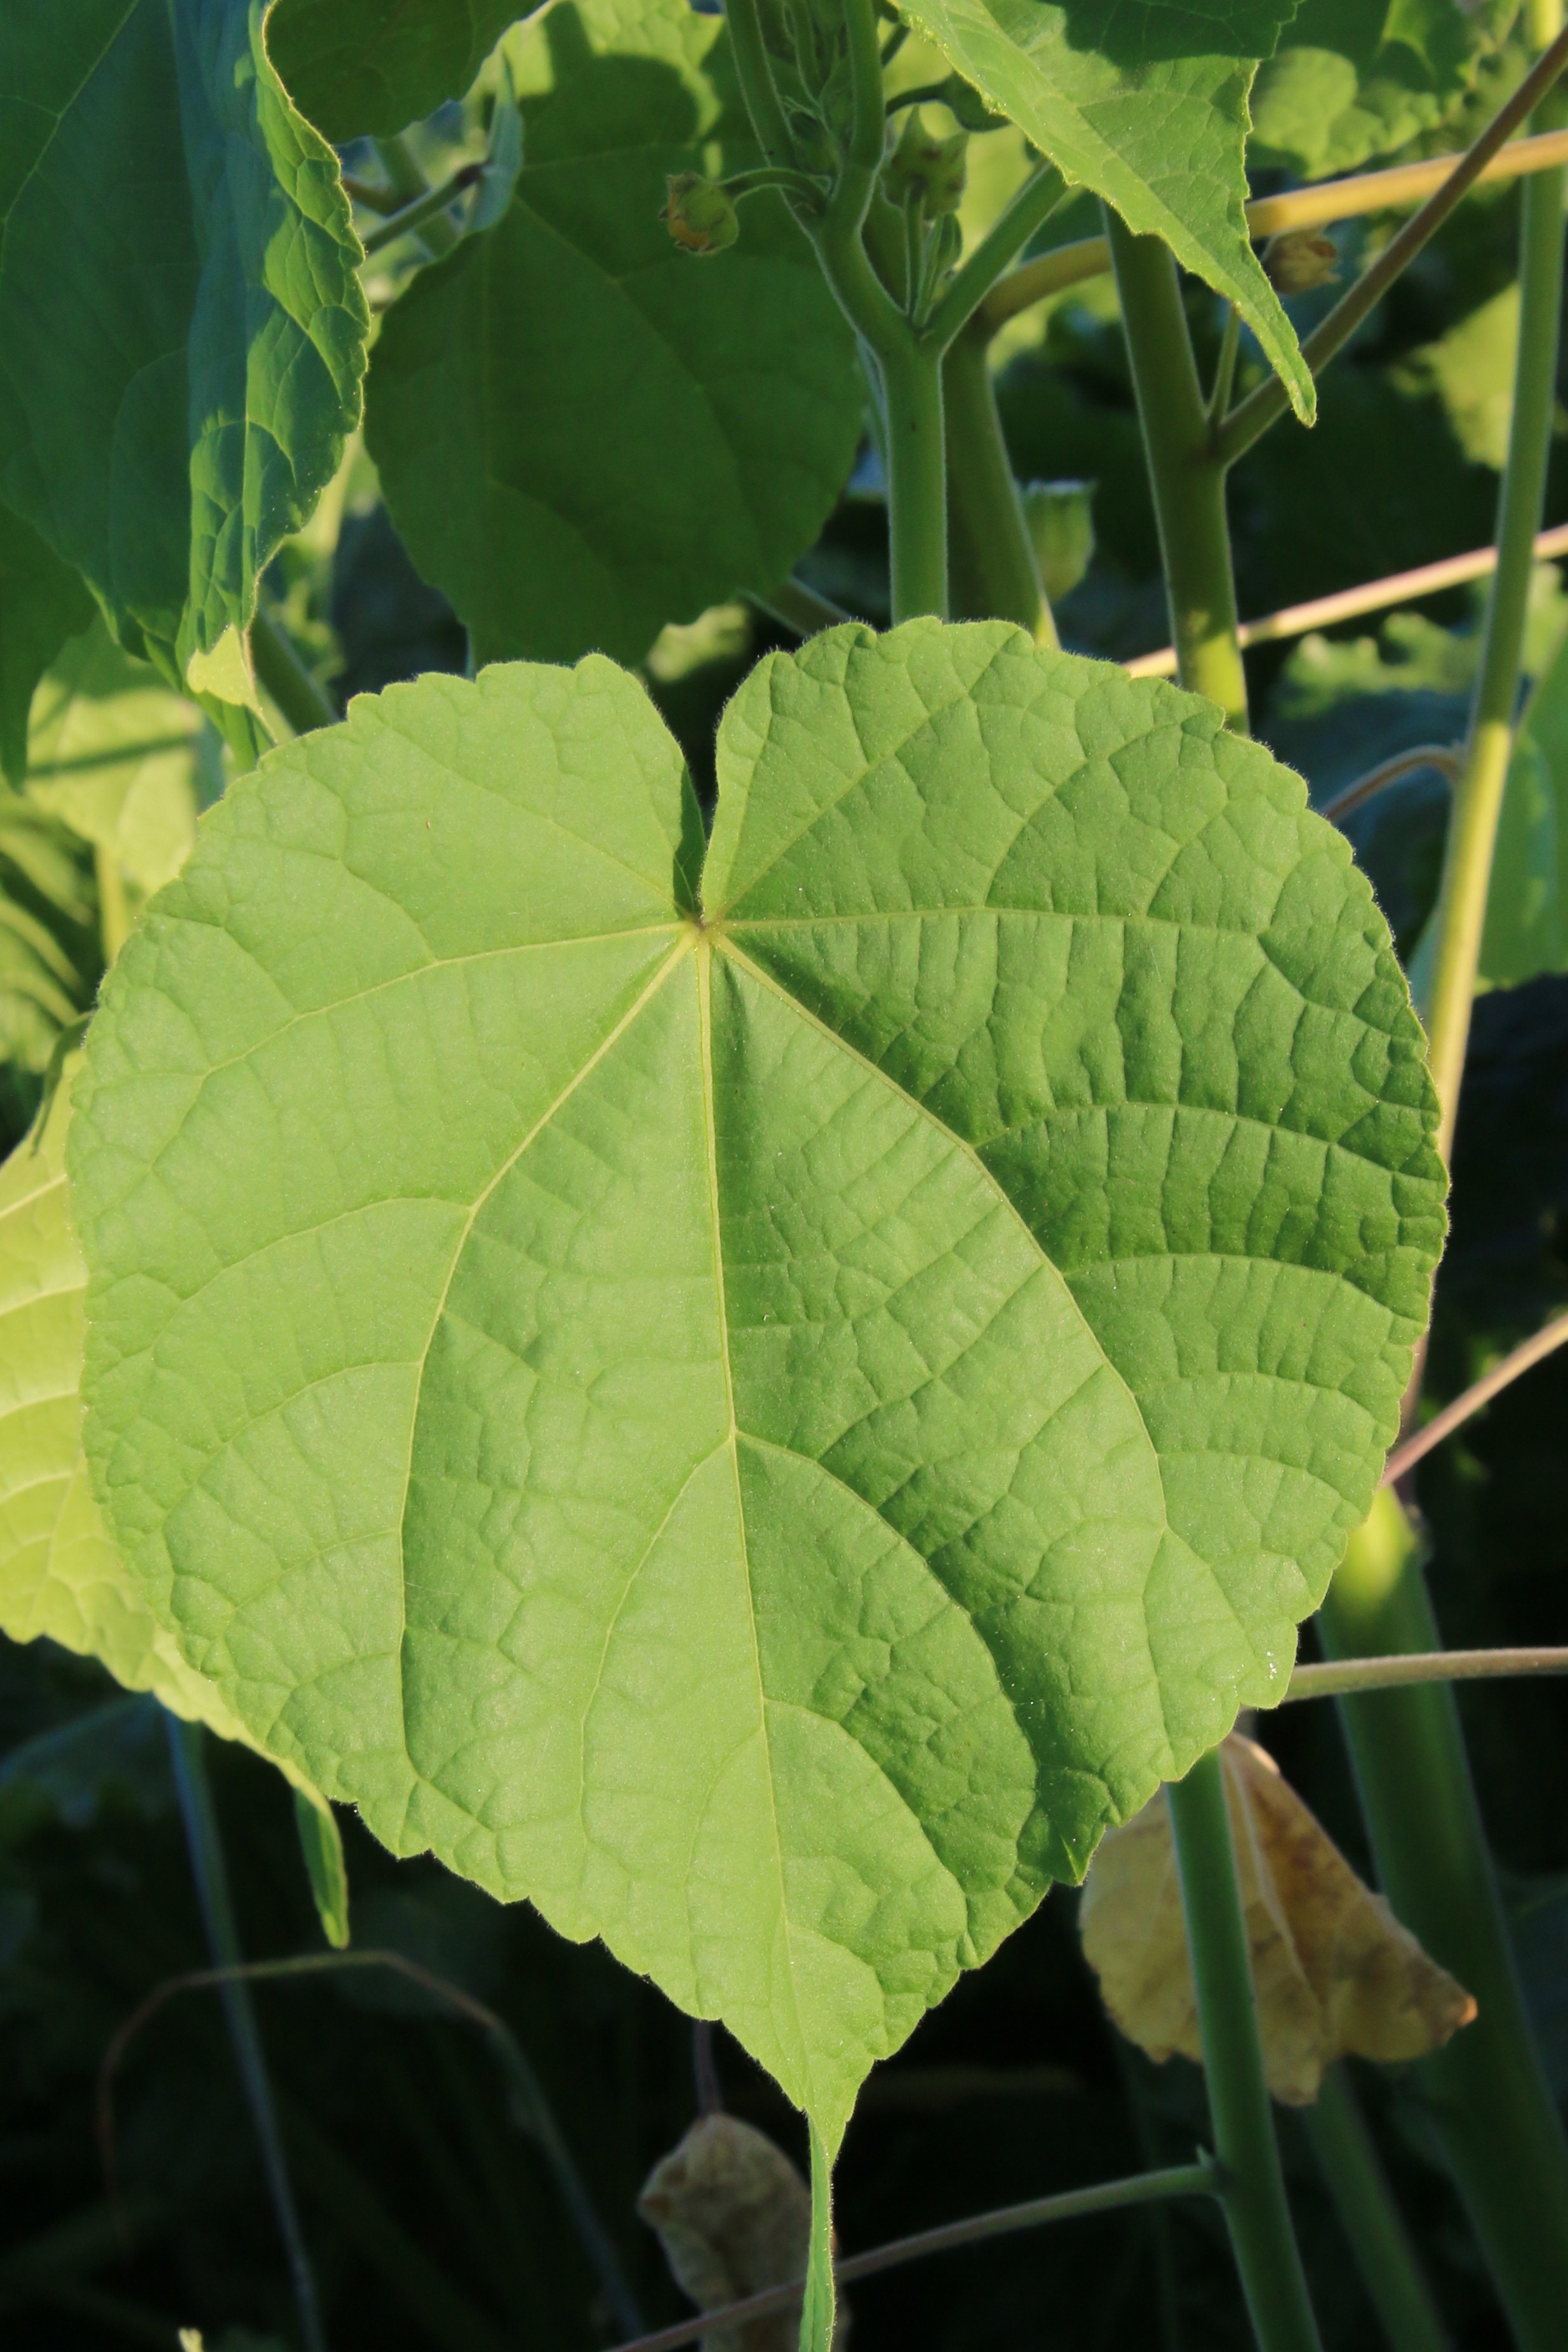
158, 189
120, 758
60, 1574
1145, 102
358, 69
1355, 78
322, 1849
1527, 904
760, 1434
50, 956
42, 603
583, 433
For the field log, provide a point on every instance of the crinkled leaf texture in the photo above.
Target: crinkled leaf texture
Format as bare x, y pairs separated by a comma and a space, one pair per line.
583, 433
761, 1432
59, 1571
358, 69
1355, 78
160, 193
1145, 102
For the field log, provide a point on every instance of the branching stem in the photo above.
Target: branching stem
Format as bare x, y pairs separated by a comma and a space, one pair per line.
1253, 2193
1188, 484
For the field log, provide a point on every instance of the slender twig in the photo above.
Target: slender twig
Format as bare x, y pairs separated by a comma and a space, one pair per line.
1269, 401
374, 199
798, 607
1529, 1353
1403, 1666
529, 2107
1203, 2178
405, 176
186, 1753
296, 695
1315, 208
1445, 758
1225, 366
1373, 596
422, 209
704, 2069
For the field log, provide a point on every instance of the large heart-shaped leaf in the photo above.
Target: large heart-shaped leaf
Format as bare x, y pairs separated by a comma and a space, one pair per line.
1355, 78
1145, 102
359, 68
182, 329
760, 1430
582, 433
60, 1574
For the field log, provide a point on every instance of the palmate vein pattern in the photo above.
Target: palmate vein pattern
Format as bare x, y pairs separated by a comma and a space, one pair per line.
762, 1430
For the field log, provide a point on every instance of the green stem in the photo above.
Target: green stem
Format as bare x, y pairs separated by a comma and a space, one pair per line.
1478, 797
996, 251
1188, 482
113, 907
1390, 2269
800, 608
424, 209
188, 1755
1225, 366
408, 182
990, 554
916, 482
279, 671
1253, 2186
754, 71
1265, 406
1486, 2097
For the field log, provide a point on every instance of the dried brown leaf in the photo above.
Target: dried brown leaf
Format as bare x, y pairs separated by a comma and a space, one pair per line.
733, 2216
1336, 1975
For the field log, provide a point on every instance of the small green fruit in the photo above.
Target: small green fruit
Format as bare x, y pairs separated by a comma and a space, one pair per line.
699, 214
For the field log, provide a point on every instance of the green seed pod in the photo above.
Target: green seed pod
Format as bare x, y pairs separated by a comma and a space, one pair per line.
934, 169
698, 212
1300, 260
1062, 530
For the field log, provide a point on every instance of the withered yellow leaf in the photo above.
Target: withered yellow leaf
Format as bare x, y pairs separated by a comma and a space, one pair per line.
733, 2216
1336, 1975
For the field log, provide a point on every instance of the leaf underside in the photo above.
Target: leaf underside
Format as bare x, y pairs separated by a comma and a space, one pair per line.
761, 1432
1144, 103
583, 433
189, 419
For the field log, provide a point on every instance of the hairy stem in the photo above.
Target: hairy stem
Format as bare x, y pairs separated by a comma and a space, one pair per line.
916, 481
754, 72
990, 554
188, 1755
1390, 2269
1478, 798
1253, 2184
998, 249
1188, 483
1488, 2100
